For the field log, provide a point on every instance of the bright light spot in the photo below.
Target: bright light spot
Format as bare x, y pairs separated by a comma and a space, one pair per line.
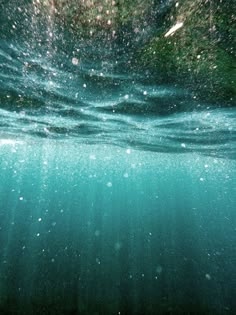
128, 151
109, 184
174, 28
10, 142
39, 219
183, 145
21, 198
75, 61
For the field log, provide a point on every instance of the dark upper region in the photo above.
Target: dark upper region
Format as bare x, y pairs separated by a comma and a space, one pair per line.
199, 56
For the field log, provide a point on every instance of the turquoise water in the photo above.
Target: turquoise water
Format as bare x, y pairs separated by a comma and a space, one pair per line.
95, 229
117, 186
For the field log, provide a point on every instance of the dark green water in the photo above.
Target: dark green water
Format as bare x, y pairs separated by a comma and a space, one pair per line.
117, 170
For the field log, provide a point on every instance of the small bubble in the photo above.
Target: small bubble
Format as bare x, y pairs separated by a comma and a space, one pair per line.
39, 219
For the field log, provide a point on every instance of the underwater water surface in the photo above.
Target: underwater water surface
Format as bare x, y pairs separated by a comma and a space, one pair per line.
117, 158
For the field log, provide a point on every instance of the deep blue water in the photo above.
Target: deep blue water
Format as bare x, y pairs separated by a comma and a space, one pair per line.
117, 187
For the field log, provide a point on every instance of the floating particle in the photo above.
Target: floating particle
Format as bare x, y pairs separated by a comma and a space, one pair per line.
128, 151
183, 145
109, 184
84, 85
118, 246
21, 198
159, 269
97, 233
39, 219
126, 175
208, 277
75, 61
145, 93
